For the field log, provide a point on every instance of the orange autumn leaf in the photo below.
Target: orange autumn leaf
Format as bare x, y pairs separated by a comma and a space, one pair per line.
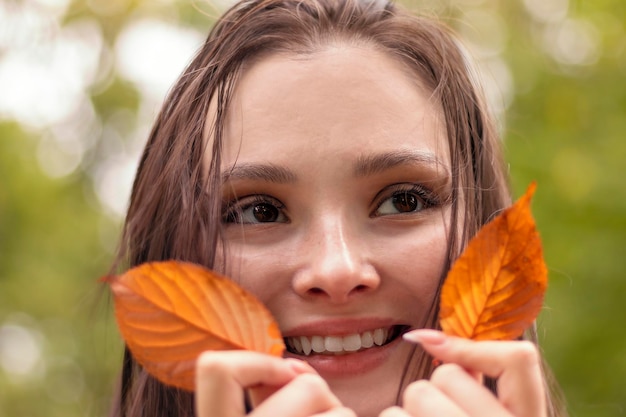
495, 289
170, 312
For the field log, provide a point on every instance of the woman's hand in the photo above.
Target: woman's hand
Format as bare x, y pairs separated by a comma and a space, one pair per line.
455, 388
277, 387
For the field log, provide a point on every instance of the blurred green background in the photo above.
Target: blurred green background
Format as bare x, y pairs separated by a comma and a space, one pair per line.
81, 81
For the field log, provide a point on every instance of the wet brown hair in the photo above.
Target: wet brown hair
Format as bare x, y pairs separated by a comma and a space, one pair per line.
175, 208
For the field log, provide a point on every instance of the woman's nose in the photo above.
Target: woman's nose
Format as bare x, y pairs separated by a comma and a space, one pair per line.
336, 267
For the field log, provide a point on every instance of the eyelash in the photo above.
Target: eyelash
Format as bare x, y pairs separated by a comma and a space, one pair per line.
233, 211
426, 197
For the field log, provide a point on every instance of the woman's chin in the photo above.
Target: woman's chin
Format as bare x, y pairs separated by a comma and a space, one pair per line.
367, 401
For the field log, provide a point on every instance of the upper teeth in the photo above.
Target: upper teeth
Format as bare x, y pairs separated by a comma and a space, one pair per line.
337, 344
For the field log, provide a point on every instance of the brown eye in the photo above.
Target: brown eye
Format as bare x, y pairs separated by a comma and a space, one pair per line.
255, 209
399, 203
265, 213
404, 198
405, 202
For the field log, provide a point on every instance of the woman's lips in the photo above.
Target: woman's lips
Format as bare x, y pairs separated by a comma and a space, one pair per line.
347, 354
337, 345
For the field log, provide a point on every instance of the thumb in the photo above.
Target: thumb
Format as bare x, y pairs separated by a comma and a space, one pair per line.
256, 394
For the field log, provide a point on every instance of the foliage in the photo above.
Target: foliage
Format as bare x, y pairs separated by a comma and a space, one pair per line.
495, 289
170, 312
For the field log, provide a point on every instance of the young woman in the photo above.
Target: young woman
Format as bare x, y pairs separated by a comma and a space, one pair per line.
333, 157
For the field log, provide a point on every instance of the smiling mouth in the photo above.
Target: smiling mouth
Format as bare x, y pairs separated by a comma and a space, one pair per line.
340, 345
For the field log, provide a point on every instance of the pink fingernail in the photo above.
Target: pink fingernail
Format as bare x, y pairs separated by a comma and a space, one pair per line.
425, 336
300, 367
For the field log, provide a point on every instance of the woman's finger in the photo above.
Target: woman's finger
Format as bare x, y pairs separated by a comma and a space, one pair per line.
306, 395
516, 365
464, 390
423, 399
221, 378
258, 393
394, 411
337, 412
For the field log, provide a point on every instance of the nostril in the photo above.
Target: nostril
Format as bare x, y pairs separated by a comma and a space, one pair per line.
320, 291
316, 291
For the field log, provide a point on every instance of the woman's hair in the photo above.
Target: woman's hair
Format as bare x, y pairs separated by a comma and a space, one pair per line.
175, 207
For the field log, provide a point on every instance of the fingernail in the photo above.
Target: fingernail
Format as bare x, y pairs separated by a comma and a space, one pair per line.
425, 336
300, 367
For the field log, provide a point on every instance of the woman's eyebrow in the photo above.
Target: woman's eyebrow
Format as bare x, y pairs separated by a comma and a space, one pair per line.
374, 164
263, 172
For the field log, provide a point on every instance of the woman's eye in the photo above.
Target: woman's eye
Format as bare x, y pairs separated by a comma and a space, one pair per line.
411, 200
255, 212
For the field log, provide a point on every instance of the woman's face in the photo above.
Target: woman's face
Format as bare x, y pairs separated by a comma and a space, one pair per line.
336, 181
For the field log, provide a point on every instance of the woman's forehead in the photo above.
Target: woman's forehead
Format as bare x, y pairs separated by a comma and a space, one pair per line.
342, 98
